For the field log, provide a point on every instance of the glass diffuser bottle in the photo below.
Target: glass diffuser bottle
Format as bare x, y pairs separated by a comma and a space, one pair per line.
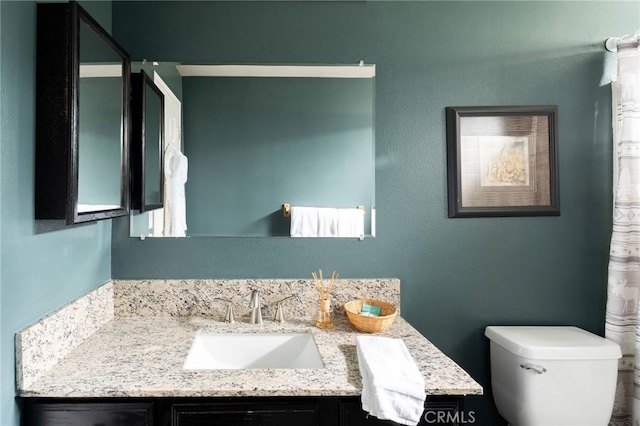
324, 315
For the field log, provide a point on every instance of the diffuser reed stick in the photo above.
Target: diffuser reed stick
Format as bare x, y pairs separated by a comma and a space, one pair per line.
317, 278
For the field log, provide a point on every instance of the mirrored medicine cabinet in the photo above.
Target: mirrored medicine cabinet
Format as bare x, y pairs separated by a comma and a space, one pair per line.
259, 136
82, 118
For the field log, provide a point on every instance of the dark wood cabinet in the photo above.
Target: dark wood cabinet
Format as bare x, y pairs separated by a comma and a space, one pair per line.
445, 411
240, 414
227, 411
351, 414
88, 414
439, 410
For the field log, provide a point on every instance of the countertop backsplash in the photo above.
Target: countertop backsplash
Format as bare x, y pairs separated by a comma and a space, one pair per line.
206, 298
43, 344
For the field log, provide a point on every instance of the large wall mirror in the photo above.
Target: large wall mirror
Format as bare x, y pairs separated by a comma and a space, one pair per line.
82, 111
258, 137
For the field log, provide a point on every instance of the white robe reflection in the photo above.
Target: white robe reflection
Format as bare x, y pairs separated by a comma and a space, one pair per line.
176, 166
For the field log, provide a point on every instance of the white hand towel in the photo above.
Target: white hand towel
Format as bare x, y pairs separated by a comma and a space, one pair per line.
392, 385
304, 222
327, 222
351, 223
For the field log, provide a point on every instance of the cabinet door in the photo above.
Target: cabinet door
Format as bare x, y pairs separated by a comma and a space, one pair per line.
351, 414
88, 414
443, 411
245, 414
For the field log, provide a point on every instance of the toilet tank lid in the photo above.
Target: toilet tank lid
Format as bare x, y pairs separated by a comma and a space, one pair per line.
552, 342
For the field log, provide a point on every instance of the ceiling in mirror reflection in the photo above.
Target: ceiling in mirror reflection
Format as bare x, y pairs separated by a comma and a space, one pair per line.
278, 71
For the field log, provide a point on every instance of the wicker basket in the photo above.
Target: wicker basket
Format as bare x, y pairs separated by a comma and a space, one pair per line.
370, 324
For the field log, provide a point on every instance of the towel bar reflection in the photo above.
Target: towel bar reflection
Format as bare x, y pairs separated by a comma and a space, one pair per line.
286, 209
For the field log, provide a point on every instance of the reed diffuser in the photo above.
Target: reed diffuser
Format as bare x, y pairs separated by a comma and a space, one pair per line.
324, 316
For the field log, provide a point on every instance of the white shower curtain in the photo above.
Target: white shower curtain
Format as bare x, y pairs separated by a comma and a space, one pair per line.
621, 322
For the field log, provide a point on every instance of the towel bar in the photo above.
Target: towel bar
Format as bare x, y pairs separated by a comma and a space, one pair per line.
286, 209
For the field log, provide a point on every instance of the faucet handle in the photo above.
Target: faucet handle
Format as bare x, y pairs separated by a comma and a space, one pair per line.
230, 316
279, 316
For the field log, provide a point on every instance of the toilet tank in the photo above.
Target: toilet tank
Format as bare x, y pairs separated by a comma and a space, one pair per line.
552, 375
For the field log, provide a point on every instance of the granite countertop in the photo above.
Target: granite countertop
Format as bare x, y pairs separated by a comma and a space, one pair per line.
143, 357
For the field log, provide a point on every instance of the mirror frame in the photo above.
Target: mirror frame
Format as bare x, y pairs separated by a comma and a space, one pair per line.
58, 115
142, 87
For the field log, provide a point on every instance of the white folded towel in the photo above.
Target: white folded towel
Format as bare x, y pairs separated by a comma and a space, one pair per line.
351, 223
304, 221
392, 385
327, 222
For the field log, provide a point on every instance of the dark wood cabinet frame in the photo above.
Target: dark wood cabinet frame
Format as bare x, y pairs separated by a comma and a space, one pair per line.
143, 87
57, 113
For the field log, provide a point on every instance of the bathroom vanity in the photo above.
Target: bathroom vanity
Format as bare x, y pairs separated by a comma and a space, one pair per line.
239, 411
131, 369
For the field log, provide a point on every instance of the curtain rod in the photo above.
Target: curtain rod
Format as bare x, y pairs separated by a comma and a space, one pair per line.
611, 44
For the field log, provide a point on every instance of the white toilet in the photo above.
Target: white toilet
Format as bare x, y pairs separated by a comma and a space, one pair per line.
552, 376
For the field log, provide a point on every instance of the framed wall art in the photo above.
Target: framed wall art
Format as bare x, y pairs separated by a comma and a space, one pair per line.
502, 161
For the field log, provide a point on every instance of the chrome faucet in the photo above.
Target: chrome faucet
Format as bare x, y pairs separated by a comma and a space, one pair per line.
256, 308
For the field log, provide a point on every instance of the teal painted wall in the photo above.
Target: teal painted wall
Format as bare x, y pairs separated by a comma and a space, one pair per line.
256, 143
458, 275
44, 264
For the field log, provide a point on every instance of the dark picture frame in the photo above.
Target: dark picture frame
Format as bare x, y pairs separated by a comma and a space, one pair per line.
502, 161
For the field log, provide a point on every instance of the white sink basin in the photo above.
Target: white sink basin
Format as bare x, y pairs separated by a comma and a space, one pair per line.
248, 351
